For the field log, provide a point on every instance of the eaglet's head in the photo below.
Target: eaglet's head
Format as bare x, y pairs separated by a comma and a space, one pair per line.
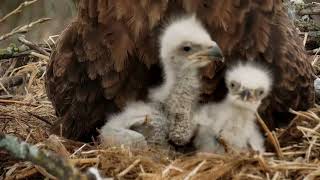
186, 42
248, 85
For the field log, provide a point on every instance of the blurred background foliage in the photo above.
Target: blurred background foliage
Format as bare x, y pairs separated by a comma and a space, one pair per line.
61, 12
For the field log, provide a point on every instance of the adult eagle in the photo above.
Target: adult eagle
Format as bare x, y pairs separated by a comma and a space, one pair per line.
109, 55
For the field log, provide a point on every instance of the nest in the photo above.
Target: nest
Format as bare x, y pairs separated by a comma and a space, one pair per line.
28, 115
30, 120
25, 112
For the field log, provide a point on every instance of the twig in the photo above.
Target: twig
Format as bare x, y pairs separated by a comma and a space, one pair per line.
23, 29
6, 96
303, 114
51, 38
223, 169
53, 164
271, 136
40, 118
32, 45
276, 175
17, 102
27, 174
11, 67
312, 52
262, 162
305, 38
17, 10
12, 51
12, 81
41, 56
195, 170
310, 131
307, 26
294, 166
313, 38
308, 9
142, 169
22, 54
285, 153
4, 89
78, 150
308, 153
168, 168
44, 172
84, 161
29, 135
124, 172
227, 147
93, 151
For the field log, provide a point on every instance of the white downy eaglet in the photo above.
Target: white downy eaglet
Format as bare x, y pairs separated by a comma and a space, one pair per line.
233, 119
185, 47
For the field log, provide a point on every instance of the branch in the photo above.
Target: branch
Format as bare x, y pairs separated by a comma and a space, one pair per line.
271, 137
52, 163
17, 10
307, 26
23, 29
315, 34
23, 103
12, 81
40, 118
33, 46
13, 51
308, 9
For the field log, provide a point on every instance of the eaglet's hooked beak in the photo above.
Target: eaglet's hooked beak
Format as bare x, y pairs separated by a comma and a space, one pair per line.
213, 53
247, 95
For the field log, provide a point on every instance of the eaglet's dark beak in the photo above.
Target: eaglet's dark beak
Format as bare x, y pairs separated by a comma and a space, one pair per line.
246, 95
213, 53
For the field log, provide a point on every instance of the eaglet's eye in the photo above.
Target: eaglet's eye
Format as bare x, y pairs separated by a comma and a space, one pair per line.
259, 92
234, 85
186, 48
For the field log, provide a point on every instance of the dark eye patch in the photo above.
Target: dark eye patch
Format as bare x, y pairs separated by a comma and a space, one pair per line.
187, 48
259, 92
233, 85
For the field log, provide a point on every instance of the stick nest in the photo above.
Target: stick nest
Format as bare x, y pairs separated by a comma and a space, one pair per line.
29, 115
25, 112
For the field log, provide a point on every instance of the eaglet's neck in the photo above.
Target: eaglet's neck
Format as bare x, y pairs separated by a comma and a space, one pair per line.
184, 86
243, 113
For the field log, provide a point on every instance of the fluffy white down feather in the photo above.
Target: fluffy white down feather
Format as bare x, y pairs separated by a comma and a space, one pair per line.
231, 119
177, 94
236, 126
185, 29
117, 130
251, 75
133, 113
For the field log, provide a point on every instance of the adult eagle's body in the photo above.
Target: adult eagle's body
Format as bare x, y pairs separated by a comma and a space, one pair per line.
109, 55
